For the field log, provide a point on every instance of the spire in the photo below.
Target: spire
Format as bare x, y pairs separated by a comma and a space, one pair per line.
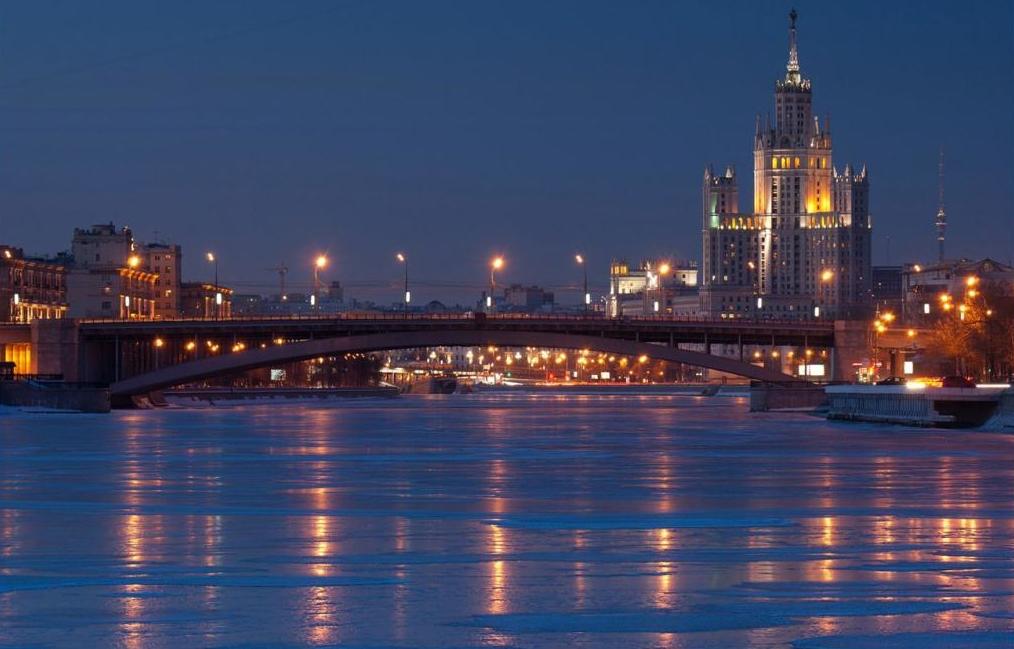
792, 68
941, 221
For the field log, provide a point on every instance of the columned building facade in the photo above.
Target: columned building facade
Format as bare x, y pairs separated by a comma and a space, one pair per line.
30, 289
804, 250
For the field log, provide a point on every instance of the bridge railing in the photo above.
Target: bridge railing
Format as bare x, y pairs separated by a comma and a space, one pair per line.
470, 315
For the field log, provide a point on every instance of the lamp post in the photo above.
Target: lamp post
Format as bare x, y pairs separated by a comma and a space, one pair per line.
825, 279
663, 270
214, 260
494, 265
408, 295
579, 258
318, 265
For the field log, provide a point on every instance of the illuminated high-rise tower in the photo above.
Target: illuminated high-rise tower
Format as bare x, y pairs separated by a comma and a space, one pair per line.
804, 250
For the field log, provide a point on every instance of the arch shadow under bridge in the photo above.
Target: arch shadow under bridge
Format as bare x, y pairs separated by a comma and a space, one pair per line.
205, 368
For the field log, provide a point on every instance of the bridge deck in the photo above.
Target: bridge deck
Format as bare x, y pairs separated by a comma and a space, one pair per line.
642, 329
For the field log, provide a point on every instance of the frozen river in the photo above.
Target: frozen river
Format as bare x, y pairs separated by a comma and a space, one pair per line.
511, 520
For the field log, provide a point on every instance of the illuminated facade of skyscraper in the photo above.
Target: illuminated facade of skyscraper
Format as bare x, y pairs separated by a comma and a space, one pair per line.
804, 250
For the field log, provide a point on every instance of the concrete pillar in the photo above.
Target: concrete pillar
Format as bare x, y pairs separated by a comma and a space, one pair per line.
851, 345
897, 362
55, 346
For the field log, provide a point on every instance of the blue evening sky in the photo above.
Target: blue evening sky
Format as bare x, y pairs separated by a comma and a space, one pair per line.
267, 131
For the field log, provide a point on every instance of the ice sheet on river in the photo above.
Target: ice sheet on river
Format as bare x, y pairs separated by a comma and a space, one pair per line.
512, 520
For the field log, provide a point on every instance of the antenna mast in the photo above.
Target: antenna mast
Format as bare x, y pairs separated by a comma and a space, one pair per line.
941, 221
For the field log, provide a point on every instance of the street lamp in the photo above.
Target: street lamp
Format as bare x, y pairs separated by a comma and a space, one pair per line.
579, 258
214, 260
825, 278
408, 295
318, 265
663, 270
494, 265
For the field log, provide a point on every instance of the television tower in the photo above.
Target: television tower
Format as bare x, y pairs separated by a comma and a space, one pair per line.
941, 214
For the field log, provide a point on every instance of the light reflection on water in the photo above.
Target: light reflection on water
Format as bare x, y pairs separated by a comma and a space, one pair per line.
406, 522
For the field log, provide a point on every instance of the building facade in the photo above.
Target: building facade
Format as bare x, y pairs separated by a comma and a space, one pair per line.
205, 300
165, 261
517, 297
116, 293
103, 246
654, 287
804, 249
30, 288
108, 277
925, 287
886, 293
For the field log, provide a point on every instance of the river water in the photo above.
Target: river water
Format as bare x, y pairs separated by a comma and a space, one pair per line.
514, 519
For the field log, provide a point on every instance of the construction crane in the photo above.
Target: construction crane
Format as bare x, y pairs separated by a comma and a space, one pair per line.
281, 269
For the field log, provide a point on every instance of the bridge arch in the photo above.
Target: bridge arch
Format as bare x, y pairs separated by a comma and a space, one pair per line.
204, 368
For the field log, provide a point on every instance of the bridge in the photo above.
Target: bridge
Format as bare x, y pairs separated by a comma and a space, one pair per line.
135, 357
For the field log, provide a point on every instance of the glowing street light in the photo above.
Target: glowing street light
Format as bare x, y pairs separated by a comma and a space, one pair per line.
408, 295
579, 258
827, 275
133, 261
212, 259
319, 264
495, 264
663, 270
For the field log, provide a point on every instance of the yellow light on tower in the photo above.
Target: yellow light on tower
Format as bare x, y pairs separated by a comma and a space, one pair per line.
579, 259
497, 263
134, 261
321, 261
210, 256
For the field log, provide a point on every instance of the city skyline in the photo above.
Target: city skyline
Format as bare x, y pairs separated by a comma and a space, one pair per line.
592, 147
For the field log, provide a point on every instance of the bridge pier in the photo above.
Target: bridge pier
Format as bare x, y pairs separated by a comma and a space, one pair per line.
56, 348
850, 346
